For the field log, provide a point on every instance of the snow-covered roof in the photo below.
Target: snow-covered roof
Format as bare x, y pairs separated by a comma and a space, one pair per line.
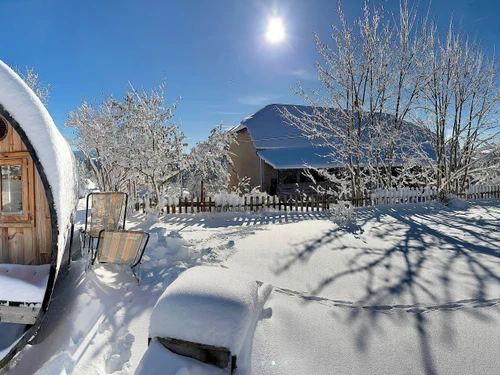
282, 145
296, 157
48, 146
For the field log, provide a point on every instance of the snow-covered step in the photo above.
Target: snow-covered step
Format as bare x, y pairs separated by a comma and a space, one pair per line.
22, 289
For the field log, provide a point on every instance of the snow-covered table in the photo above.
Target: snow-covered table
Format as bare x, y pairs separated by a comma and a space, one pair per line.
210, 314
22, 289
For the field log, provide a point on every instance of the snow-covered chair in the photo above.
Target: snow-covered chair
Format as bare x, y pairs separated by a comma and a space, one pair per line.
107, 211
121, 247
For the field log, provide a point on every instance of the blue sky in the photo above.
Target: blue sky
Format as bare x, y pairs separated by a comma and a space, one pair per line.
212, 52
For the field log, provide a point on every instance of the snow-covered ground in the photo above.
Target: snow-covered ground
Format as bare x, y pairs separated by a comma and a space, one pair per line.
405, 290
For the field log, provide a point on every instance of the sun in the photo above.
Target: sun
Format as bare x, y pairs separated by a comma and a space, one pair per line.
275, 30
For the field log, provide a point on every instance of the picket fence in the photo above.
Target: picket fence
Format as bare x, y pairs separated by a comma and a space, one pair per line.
247, 203
403, 196
304, 203
481, 192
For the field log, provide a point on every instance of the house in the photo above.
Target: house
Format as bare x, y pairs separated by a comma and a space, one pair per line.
272, 153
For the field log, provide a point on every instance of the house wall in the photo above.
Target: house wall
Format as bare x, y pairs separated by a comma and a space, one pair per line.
246, 162
270, 174
26, 243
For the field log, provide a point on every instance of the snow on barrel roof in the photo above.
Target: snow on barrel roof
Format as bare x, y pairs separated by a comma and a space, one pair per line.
282, 145
52, 150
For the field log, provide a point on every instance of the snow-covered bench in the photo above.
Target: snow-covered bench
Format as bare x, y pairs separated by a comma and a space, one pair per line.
22, 289
209, 314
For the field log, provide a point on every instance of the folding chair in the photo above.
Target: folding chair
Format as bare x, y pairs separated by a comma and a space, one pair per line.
107, 209
121, 247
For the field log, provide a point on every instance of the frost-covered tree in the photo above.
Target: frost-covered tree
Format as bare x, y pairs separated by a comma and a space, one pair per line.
151, 142
84, 176
129, 139
370, 80
95, 134
399, 103
486, 170
209, 163
30, 76
461, 103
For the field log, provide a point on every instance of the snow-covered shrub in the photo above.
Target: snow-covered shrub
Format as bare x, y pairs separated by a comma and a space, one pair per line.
457, 203
343, 214
224, 199
443, 197
243, 186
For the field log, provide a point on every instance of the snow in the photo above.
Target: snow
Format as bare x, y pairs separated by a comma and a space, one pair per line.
407, 289
208, 305
11, 334
54, 153
20, 283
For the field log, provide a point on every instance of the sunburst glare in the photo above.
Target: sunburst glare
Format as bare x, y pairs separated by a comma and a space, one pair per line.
275, 30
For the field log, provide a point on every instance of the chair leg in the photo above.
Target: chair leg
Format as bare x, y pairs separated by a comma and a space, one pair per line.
83, 248
139, 280
138, 274
91, 252
70, 243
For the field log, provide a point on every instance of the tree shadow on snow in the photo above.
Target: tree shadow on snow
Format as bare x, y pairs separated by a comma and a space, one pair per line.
240, 219
423, 256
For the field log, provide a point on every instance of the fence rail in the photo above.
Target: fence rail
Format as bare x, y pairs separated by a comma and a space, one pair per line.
304, 203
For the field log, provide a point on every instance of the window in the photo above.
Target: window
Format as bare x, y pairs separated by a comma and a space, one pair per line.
16, 198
